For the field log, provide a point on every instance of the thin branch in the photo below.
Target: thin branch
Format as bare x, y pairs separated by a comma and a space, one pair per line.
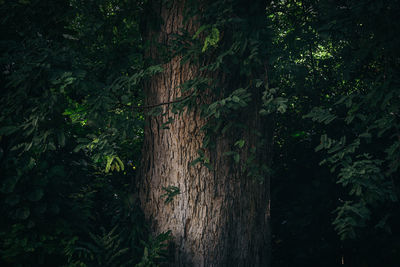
160, 104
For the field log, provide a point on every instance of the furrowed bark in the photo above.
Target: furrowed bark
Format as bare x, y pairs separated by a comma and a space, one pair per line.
220, 217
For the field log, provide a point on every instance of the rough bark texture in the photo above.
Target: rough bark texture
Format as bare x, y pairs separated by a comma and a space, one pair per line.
220, 218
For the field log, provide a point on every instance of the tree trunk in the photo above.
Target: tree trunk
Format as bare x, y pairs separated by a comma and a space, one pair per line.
220, 217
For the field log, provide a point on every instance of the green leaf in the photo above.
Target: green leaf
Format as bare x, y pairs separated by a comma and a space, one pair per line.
211, 40
61, 139
208, 166
240, 143
235, 99
36, 195
171, 192
57, 170
55, 209
12, 200
200, 30
79, 147
236, 158
197, 160
51, 146
108, 165
121, 164
8, 130
40, 208
259, 83
23, 213
9, 185
229, 153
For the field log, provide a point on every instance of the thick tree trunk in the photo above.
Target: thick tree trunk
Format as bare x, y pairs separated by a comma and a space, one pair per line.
220, 217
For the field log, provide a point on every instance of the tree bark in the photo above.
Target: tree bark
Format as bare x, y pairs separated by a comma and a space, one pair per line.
220, 217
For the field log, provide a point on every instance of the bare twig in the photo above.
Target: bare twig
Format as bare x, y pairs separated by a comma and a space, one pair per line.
158, 104
165, 103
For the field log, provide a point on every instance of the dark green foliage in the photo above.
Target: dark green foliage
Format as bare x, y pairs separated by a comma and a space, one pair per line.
71, 125
170, 193
155, 251
69, 137
339, 67
234, 41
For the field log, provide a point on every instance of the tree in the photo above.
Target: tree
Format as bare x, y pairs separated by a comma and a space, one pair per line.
218, 83
201, 175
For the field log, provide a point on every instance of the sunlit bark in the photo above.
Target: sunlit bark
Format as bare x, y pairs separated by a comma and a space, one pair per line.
220, 217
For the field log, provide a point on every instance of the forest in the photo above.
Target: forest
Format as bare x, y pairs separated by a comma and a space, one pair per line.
152, 133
